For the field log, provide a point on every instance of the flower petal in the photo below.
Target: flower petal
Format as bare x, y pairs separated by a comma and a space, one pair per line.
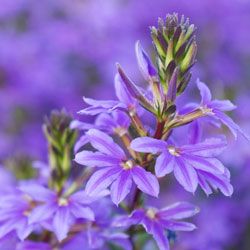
121, 187
164, 164
222, 105
186, 175
145, 181
179, 210
101, 179
96, 159
42, 213
105, 144
82, 212
148, 145
178, 225
204, 92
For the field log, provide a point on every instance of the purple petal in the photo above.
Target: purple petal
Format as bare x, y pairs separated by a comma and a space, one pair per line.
222, 105
42, 213
101, 179
122, 92
38, 192
75, 124
220, 182
23, 229
204, 185
7, 227
186, 176
121, 187
82, 212
145, 65
178, 210
204, 92
121, 119
105, 122
148, 145
96, 159
194, 133
227, 121
145, 181
160, 237
105, 144
61, 223
209, 148
80, 143
211, 165
178, 225
164, 164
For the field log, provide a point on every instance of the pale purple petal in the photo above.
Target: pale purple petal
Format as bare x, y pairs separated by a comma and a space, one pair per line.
164, 164
61, 223
23, 229
186, 176
121, 119
75, 124
204, 92
148, 145
145, 181
101, 179
178, 225
96, 159
105, 122
194, 132
160, 236
204, 185
145, 65
178, 210
209, 148
105, 144
227, 121
222, 105
37, 192
82, 212
42, 213
122, 92
80, 143
121, 187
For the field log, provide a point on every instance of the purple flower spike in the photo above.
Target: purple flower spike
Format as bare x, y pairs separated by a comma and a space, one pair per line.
116, 169
144, 63
59, 212
157, 221
192, 164
216, 109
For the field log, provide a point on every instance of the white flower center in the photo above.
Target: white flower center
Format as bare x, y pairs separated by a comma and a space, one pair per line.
62, 202
151, 213
173, 151
127, 165
206, 110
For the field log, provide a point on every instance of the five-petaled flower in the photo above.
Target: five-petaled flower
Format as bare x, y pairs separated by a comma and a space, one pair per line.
155, 221
192, 164
116, 169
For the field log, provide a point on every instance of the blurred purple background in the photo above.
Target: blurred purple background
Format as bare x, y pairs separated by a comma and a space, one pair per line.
54, 52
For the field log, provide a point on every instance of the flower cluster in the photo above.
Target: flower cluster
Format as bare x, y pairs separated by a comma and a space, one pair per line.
104, 199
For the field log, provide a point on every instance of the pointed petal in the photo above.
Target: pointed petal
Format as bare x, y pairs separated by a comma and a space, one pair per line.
38, 192
204, 185
178, 225
222, 105
180, 210
105, 122
122, 92
148, 145
121, 187
105, 144
23, 229
194, 132
145, 181
101, 179
42, 213
209, 148
204, 92
80, 143
186, 176
227, 121
164, 164
61, 223
96, 159
144, 63
75, 124
82, 212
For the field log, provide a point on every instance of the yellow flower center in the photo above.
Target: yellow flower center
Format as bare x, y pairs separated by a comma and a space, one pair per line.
63, 202
151, 213
127, 165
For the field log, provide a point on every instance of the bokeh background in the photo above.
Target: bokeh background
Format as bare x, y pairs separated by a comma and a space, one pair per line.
54, 52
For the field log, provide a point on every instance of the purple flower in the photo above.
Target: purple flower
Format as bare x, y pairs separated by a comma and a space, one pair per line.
14, 214
30, 245
192, 164
157, 221
116, 169
61, 212
216, 109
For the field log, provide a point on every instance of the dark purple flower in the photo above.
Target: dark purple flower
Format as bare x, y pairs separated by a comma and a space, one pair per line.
157, 221
116, 169
61, 212
192, 164
216, 108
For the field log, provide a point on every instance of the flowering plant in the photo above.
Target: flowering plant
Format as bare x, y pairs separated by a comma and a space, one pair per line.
135, 142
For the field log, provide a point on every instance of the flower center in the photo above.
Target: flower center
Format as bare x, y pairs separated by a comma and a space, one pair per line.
173, 151
151, 213
206, 110
62, 202
127, 165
